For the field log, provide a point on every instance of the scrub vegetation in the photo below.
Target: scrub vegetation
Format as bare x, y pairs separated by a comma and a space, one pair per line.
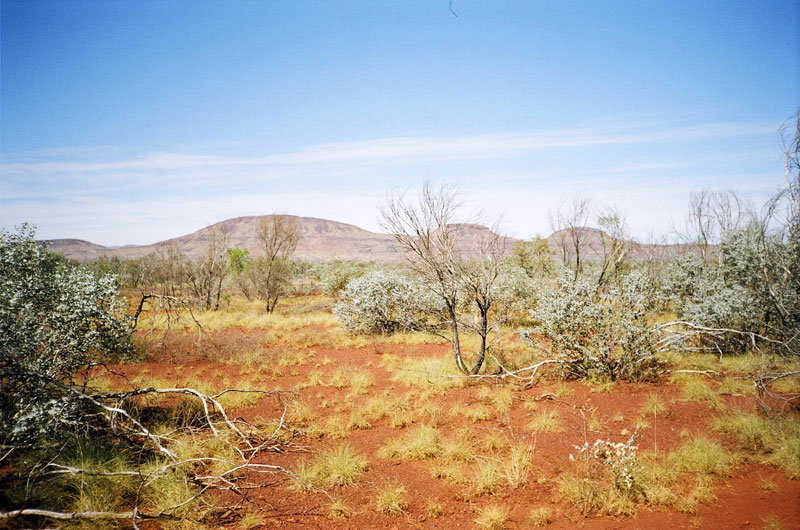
483, 382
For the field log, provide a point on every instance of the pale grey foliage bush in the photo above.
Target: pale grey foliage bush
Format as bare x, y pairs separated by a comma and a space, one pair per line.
56, 322
751, 288
603, 333
682, 277
707, 294
381, 302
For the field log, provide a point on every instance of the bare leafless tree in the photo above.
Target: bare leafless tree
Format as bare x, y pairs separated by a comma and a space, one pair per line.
711, 214
278, 236
656, 252
426, 231
568, 223
617, 244
699, 222
790, 141
780, 234
207, 274
166, 271
479, 275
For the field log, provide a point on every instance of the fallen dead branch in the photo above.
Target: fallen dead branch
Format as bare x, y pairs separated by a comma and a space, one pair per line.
240, 471
767, 399
503, 372
69, 516
689, 330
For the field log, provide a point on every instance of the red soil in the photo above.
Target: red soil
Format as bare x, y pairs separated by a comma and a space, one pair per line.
742, 502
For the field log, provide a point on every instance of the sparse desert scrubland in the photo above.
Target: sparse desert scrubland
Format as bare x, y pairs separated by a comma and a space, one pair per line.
476, 385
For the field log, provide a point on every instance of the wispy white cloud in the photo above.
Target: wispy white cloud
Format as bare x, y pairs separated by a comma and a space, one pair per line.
387, 149
99, 195
148, 162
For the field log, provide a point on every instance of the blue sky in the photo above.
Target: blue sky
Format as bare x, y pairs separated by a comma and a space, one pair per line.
132, 122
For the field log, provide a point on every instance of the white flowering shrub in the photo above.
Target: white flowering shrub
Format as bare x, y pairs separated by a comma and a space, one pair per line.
56, 322
381, 302
603, 333
618, 458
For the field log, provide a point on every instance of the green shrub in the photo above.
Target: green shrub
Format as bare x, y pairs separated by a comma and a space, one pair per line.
339, 275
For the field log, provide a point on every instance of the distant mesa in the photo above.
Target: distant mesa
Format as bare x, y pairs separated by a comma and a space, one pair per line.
320, 240
77, 248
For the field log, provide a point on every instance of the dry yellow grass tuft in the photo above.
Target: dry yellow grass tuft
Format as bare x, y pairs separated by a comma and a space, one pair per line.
422, 443
392, 499
546, 421
339, 466
492, 517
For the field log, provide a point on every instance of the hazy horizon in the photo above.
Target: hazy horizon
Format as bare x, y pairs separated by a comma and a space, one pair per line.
131, 123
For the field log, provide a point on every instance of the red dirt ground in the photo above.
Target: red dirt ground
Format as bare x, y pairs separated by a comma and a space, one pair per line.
742, 502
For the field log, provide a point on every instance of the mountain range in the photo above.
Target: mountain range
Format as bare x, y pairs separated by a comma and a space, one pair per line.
319, 240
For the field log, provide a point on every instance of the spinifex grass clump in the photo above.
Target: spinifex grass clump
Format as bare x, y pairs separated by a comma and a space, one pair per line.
85, 492
492, 517
392, 407
755, 433
422, 443
357, 380
339, 510
435, 374
518, 465
775, 440
697, 390
541, 516
654, 406
300, 414
488, 475
433, 508
339, 466
474, 411
358, 421
702, 456
501, 397
787, 455
494, 441
458, 448
546, 421
701, 493
391, 499
336, 427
